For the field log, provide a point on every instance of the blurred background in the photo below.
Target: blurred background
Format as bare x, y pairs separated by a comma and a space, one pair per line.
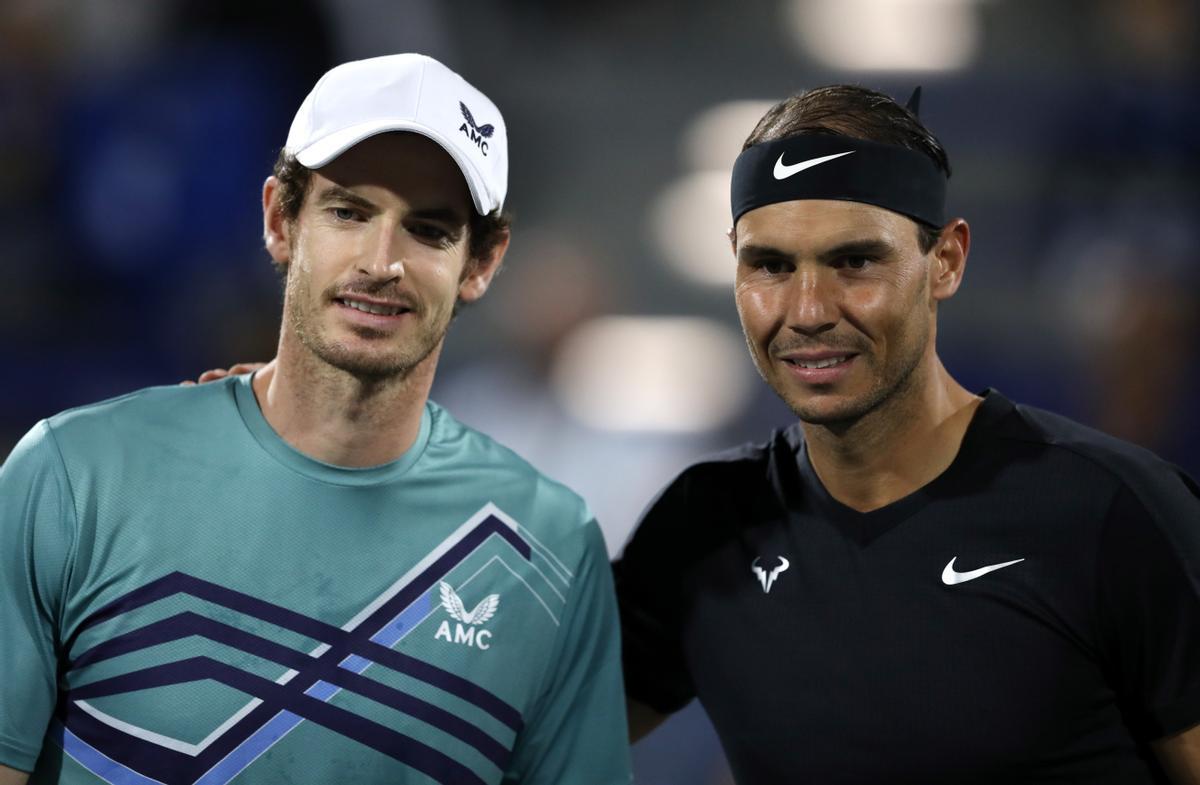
135, 135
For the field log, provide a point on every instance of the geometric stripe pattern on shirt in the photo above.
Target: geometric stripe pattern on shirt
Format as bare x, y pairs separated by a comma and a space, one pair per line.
123, 754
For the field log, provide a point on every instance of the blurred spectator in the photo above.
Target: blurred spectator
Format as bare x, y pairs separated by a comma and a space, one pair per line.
1121, 215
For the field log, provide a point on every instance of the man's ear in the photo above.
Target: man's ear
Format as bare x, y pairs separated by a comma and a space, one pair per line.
949, 259
276, 227
481, 271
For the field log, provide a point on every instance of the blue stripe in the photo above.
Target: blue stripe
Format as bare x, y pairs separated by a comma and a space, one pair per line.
279, 725
273, 731
249, 750
95, 761
403, 624
322, 690
355, 663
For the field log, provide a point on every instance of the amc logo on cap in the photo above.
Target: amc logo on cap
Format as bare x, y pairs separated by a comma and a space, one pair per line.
479, 134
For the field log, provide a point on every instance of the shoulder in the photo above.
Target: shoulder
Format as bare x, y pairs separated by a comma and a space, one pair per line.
742, 484
151, 421
744, 470
467, 447
536, 501
1091, 459
165, 405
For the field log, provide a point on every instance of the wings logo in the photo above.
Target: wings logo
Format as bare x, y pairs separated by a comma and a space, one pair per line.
485, 610
767, 579
479, 134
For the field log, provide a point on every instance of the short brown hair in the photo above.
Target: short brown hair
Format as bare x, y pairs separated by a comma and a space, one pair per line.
857, 112
484, 232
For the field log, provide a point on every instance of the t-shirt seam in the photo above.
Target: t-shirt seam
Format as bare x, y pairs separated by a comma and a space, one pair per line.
1190, 698
1082, 453
73, 550
574, 591
544, 690
98, 404
8, 744
1097, 585
1155, 708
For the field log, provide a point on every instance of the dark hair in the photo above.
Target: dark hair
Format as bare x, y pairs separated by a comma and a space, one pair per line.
484, 232
857, 112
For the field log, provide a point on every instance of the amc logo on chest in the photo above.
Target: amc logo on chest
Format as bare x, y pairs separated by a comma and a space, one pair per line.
467, 628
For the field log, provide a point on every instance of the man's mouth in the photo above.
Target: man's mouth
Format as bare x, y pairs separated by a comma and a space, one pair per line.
824, 362
379, 309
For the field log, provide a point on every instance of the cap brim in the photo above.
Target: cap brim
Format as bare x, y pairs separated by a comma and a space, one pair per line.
330, 147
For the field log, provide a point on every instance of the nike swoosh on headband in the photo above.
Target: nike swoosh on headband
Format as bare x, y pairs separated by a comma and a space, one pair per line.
784, 171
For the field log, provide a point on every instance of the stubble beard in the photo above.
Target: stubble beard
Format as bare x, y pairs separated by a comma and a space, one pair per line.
894, 382
304, 321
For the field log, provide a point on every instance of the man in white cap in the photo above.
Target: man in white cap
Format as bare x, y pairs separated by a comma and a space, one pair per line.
314, 574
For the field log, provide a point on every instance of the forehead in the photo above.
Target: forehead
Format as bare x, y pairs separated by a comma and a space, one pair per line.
406, 166
812, 224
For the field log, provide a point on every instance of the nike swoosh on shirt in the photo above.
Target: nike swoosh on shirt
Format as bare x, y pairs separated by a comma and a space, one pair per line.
950, 576
784, 171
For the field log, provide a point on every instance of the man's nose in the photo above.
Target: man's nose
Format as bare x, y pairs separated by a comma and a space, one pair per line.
812, 306
386, 254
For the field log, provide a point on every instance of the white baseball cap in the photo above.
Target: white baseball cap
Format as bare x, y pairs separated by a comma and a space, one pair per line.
405, 92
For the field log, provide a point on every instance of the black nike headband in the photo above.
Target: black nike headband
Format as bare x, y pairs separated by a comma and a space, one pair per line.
821, 166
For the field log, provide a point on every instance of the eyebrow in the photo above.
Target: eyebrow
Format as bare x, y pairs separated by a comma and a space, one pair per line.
447, 215
336, 194
874, 248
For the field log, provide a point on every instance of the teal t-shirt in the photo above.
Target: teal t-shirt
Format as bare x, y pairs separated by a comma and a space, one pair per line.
184, 598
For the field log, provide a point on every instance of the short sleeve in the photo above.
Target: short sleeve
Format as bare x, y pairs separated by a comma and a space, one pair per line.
577, 732
37, 525
649, 594
1149, 603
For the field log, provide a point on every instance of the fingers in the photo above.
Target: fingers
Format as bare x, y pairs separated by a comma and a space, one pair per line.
241, 368
213, 374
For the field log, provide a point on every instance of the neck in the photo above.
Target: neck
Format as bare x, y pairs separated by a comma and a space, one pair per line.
337, 417
897, 448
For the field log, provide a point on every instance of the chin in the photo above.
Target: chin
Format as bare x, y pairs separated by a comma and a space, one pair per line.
366, 362
830, 409
827, 415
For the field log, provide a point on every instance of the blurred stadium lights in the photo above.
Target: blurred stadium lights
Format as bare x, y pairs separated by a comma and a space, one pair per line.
714, 139
688, 221
666, 374
689, 216
887, 35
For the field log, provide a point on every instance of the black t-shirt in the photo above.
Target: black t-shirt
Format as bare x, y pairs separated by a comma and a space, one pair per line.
1031, 615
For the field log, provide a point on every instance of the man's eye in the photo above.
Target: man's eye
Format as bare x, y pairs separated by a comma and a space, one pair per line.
854, 262
429, 232
774, 266
344, 214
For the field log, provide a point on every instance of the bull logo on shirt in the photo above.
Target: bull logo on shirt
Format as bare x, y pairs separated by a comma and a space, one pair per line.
767, 579
468, 634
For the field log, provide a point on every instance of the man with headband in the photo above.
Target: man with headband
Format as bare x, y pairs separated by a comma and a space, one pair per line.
913, 583
315, 575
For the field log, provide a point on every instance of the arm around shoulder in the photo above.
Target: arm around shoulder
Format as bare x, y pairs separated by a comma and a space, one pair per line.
12, 776
1180, 756
642, 719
